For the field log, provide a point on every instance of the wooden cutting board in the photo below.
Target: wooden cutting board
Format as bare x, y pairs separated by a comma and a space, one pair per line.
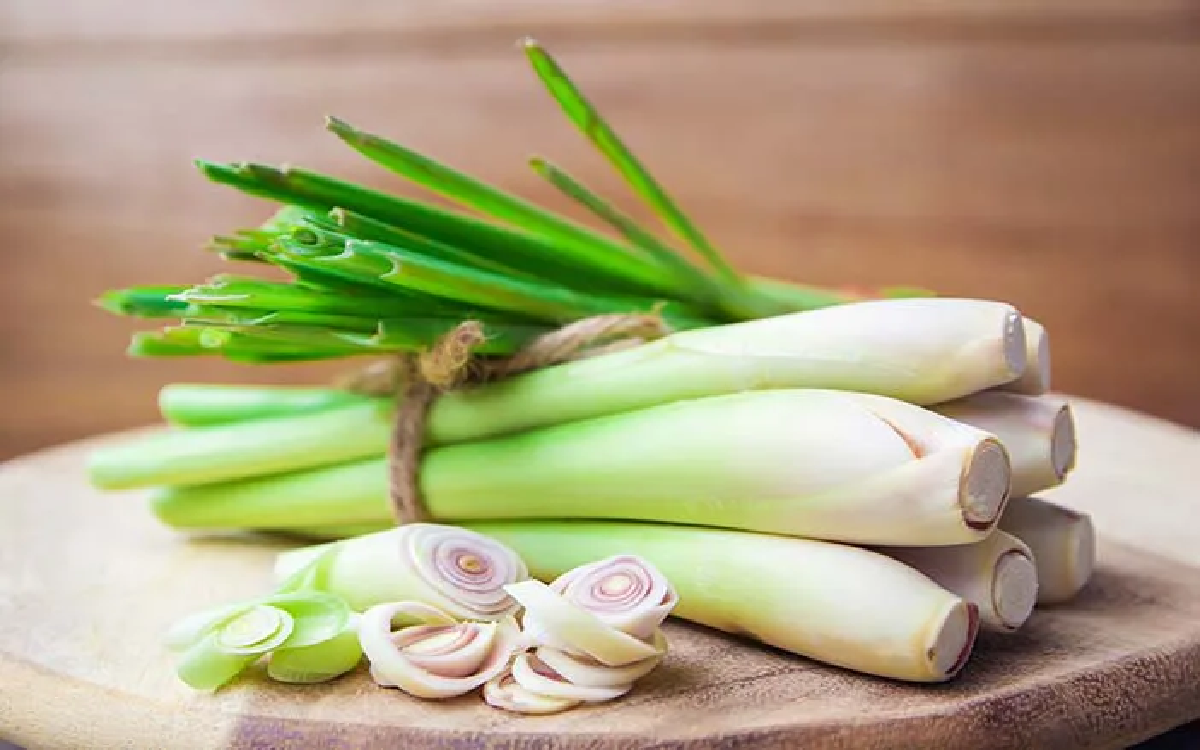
89, 581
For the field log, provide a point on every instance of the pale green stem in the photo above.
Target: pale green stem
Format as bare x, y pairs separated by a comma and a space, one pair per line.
812, 463
839, 604
924, 351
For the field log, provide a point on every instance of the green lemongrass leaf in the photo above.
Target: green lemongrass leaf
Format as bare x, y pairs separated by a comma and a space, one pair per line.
235, 255
335, 241
232, 243
285, 218
366, 228
320, 662
800, 297
214, 315
165, 343
475, 194
522, 251
236, 345
229, 291
589, 121
623, 223
145, 302
391, 336
366, 259
300, 340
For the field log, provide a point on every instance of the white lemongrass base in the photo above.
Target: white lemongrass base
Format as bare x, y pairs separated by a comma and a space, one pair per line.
1063, 542
998, 575
1037, 431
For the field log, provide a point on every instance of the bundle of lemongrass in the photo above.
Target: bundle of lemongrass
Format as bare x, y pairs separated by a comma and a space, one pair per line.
848, 479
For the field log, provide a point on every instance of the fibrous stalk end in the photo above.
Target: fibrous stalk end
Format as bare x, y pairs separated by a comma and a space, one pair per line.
985, 486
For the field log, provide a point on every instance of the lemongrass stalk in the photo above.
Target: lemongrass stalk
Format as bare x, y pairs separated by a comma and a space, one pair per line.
1037, 431
248, 449
835, 603
814, 463
823, 464
350, 496
997, 575
204, 404
923, 351
453, 569
1063, 542
1036, 379
432, 655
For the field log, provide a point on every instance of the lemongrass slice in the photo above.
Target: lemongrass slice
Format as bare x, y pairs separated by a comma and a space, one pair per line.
537, 677
812, 463
1063, 543
576, 629
433, 656
320, 662
580, 670
623, 591
453, 569
506, 693
1037, 431
835, 603
1035, 380
997, 574
216, 645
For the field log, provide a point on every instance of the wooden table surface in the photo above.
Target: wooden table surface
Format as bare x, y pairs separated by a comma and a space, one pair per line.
1043, 152
83, 665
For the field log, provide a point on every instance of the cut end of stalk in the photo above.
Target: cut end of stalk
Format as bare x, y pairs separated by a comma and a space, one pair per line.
953, 639
1015, 355
985, 486
1014, 588
1062, 442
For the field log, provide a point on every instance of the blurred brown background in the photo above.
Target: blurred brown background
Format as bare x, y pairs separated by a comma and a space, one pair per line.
1044, 153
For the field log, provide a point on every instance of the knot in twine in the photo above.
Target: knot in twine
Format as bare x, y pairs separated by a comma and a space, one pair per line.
417, 379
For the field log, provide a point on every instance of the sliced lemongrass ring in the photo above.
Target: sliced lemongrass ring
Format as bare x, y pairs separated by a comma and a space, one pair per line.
575, 629
587, 673
436, 657
537, 677
502, 691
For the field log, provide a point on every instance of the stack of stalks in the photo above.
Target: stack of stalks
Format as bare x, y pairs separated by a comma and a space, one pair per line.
849, 479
